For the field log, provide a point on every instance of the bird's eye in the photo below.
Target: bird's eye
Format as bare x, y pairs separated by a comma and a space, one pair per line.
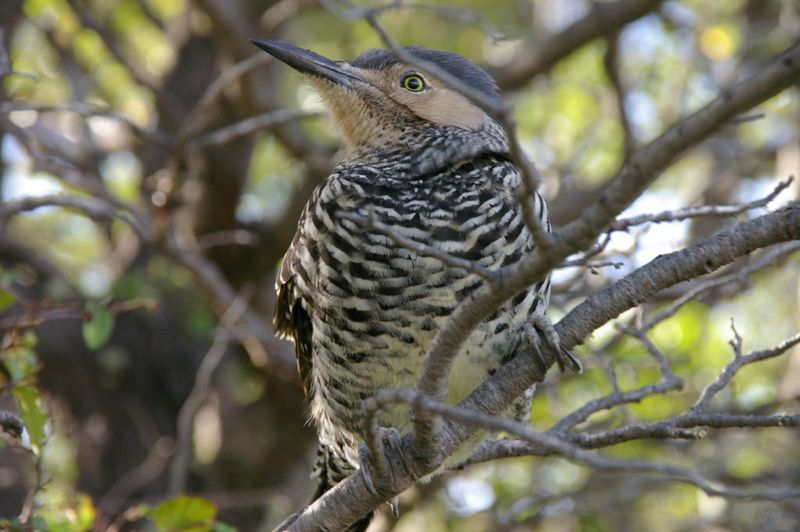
413, 83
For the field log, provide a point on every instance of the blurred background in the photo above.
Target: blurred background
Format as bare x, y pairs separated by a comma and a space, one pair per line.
136, 316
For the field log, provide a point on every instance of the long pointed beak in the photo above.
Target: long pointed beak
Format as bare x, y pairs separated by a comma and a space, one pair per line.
309, 62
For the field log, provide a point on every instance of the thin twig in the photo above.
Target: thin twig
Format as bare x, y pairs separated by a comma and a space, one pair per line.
88, 111
595, 250
611, 63
615, 399
677, 215
738, 275
567, 449
90, 206
196, 397
537, 55
249, 329
234, 237
227, 77
663, 364
461, 15
738, 362
684, 426
226, 134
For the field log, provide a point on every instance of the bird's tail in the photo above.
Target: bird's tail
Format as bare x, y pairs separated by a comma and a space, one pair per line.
329, 471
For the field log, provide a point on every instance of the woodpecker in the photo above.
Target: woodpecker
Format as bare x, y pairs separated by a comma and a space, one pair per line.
362, 310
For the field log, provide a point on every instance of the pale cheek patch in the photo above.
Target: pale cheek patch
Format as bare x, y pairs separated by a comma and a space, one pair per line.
446, 107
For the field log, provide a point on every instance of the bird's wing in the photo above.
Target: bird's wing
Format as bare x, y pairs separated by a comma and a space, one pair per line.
291, 319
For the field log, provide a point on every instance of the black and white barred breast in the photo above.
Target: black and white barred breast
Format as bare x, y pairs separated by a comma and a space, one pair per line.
363, 310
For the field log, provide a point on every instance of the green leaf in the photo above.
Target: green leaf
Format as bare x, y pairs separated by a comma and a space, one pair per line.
20, 362
97, 330
184, 513
223, 527
6, 299
32, 412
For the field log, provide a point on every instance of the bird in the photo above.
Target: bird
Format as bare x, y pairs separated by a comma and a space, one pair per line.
362, 310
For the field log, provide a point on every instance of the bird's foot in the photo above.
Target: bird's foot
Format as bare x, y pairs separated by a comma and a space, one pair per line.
393, 458
540, 328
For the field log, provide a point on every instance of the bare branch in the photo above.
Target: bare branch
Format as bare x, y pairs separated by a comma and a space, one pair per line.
667, 270
595, 250
681, 426
640, 170
227, 77
684, 427
249, 329
611, 63
607, 402
563, 447
736, 276
88, 111
350, 499
112, 44
677, 215
738, 362
464, 16
142, 475
750, 117
641, 335
196, 397
593, 266
67, 171
90, 206
534, 57
244, 127
235, 237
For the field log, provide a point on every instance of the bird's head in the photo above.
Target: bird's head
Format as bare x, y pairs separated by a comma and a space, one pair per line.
379, 103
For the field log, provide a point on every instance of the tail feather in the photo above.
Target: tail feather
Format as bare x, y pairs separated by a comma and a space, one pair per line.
329, 472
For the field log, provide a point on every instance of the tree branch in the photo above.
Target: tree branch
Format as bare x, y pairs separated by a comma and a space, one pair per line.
622, 224
535, 57
641, 169
350, 499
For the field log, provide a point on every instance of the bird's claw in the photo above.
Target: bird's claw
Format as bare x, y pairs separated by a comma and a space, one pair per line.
394, 506
394, 458
540, 327
364, 468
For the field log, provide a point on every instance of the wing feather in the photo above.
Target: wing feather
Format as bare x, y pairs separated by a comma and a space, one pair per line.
291, 319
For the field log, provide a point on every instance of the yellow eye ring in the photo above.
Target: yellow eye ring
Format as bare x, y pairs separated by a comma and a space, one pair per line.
413, 83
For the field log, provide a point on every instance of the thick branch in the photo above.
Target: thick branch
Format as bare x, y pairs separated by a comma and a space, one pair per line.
667, 270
